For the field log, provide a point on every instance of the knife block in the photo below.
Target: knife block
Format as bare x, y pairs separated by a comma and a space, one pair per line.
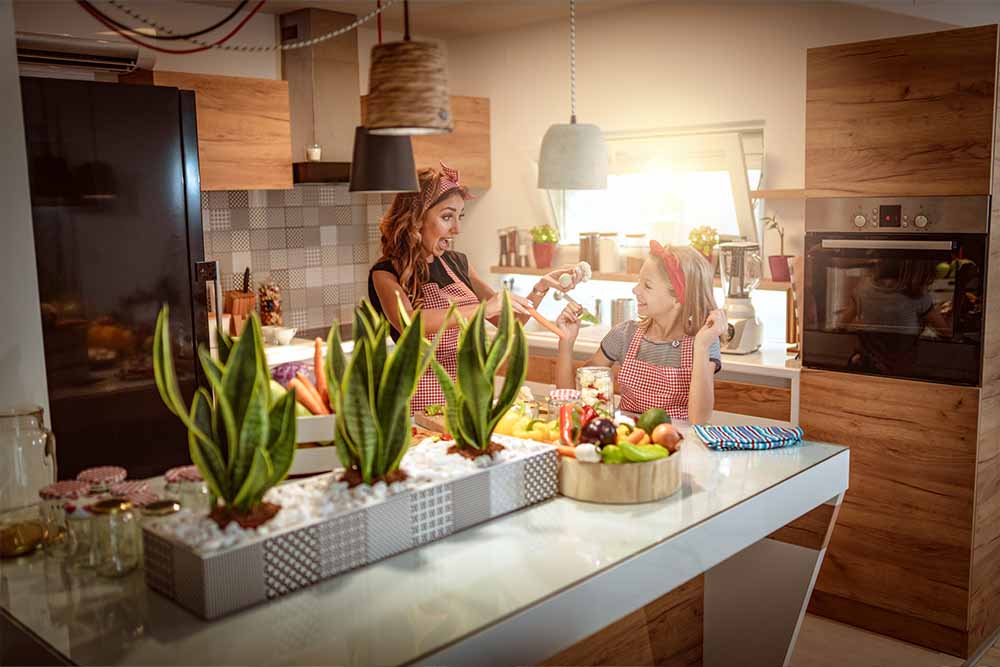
238, 305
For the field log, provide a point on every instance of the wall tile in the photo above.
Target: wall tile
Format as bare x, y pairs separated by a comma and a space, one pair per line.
344, 255
352, 234
358, 198
374, 234
327, 216
225, 261
331, 275
314, 316
347, 295
331, 313
314, 297
217, 199
275, 238
297, 278
236, 280
310, 216
260, 260
387, 199
218, 219
241, 240
327, 197
258, 239
258, 218
207, 240
346, 273
346, 312
257, 198
296, 258
279, 258
312, 256
310, 195
238, 199
258, 278
314, 276
310, 237
239, 218
275, 217
331, 295
359, 216
294, 237
297, 298
275, 198
293, 197
373, 199
328, 235
293, 217
297, 319
341, 194
342, 215
241, 260
360, 254
280, 277
329, 257
361, 273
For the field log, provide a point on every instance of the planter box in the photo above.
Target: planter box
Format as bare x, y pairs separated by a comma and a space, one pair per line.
263, 567
314, 460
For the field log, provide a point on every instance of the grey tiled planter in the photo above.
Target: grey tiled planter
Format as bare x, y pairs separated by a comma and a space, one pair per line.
283, 562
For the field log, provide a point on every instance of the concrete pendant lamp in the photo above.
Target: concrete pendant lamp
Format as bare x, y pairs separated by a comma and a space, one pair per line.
573, 155
408, 87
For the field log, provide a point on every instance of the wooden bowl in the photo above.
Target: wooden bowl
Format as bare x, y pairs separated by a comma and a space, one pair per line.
624, 483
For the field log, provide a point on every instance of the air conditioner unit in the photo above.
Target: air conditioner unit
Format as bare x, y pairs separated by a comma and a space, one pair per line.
57, 55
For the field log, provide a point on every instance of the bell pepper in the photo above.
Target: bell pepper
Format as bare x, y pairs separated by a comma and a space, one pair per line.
589, 413
643, 453
612, 454
569, 425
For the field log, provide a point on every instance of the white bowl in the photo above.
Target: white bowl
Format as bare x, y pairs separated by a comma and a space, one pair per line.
284, 335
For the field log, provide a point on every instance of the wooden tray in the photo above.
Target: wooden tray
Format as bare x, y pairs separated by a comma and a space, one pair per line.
619, 484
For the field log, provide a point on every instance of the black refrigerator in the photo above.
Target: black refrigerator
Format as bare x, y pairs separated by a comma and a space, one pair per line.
116, 204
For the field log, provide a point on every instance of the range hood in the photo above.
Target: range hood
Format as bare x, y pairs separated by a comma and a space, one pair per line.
324, 91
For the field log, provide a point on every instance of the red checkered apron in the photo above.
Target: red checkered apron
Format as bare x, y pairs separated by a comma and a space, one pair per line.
428, 389
644, 386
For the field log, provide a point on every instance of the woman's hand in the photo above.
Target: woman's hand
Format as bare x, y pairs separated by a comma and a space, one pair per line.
569, 323
574, 276
517, 303
714, 328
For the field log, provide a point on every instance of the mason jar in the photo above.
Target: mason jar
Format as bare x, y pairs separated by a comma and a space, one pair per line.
597, 389
79, 523
116, 537
185, 483
58, 538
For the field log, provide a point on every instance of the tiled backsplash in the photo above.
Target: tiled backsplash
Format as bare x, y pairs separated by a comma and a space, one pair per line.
316, 242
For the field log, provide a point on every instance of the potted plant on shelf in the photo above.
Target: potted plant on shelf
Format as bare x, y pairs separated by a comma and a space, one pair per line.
544, 239
704, 240
471, 413
242, 444
371, 392
779, 262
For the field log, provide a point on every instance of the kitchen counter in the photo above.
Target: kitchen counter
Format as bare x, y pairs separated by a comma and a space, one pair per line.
515, 590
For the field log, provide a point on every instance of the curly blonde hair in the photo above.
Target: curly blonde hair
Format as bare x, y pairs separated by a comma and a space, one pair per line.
401, 233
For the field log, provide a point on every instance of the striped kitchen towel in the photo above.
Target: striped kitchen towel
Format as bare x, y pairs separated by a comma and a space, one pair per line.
748, 437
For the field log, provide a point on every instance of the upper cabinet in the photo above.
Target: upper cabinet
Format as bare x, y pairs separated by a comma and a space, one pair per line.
244, 133
908, 116
467, 148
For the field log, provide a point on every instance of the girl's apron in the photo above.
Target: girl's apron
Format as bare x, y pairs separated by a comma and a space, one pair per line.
429, 391
644, 386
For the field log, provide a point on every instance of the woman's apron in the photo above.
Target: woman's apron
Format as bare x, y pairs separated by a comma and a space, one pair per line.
644, 386
429, 390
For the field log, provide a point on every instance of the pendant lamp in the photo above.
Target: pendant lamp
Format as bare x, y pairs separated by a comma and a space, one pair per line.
408, 87
573, 155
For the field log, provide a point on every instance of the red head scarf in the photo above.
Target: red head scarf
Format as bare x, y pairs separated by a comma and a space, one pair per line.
434, 189
672, 267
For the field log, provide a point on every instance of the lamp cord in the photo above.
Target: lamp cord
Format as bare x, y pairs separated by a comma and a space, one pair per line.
572, 61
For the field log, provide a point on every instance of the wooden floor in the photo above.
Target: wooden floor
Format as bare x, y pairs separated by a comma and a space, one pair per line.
826, 643
991, 658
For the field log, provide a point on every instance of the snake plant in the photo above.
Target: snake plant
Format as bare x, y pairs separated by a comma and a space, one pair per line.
371, 392
242, 444
471, 413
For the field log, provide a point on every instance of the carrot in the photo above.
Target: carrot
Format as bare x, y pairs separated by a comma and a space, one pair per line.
566, 451
306, 396
324, 396
544, 321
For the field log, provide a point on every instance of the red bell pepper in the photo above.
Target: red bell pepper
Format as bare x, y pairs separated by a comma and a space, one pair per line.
569, 425
589, 413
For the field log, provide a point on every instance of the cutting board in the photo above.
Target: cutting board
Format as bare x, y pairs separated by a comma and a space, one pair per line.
435, 424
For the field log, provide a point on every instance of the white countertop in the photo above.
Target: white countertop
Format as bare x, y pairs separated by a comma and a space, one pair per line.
488, 584
299, 349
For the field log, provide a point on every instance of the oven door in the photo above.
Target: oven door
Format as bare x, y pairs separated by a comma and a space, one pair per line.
895, 305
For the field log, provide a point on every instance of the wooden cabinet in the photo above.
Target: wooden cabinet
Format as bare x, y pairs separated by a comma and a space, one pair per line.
899, 559
908, 116
244, 133
467, 148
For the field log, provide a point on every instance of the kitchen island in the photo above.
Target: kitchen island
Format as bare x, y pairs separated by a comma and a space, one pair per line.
516, 590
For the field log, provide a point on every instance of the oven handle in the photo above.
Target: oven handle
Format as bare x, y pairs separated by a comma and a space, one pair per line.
886, 244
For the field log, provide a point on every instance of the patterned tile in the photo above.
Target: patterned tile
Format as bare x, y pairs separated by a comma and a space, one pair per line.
258, 218
279, 258
314, 276
293, 217
389, 527
294, 237
260, 277
291, 561
329, 257
275, 217
373, 199
310, 236
346, 273
239, 218
275, 198
361, 290
296, 278
374, 252
470, 499
361, 273
312, 256
310, 217
346, 313
506, 488
331, 295
358, 198
207, 240
387, 199
310, 196
257, 198
297, 299
260, 260
343, 543
327, 196
373, 214
241, 260
352, 234
341, 194
217, 199
296, 258
327, 216
280, 277
218, 219
344, 254
374, 234
275, 238
359, 216
241, 240
431, 515
314, 316
347, 295
540, 478
238, 199
331, 275
360, 253
206, 216
258, 239
342, 215
225, 261
297, 318
328, 235
236, 280
314, 297
293, 197
331, 313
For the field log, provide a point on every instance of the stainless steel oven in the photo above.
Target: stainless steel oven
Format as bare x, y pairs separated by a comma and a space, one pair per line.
895, 286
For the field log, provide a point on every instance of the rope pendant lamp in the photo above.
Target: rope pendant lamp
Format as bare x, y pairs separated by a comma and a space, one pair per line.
382, 163
573, 155
408, 87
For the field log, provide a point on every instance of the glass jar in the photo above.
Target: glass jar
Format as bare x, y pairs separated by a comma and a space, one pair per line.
27, 457
635, 250
590, 249
102, 478
79, 524
186, 485
154, 510
116, 537
597, 389
58, 539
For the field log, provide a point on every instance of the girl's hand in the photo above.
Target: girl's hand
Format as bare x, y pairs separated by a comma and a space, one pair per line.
555, 278
569, 323
715, 326
517, 304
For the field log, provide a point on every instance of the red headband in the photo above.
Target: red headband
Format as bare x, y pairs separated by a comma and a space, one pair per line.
672, 267
437, 187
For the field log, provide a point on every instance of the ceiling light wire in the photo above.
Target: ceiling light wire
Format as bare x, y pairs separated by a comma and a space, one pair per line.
171, 35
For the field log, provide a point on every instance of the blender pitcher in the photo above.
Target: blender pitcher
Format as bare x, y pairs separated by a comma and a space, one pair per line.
27, 457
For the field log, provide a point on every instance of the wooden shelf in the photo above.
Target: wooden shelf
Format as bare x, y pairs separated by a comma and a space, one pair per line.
799, 193
617, 277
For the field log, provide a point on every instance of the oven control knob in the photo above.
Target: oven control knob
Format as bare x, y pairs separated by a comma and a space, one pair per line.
920, 221
860, 220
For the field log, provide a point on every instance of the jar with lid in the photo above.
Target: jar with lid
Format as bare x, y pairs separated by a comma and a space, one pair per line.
185, 484
102, 478
635, 250
590, 249
58, 539
154, 510
79, 523
597, 389
560, 397
608, 254
116, 537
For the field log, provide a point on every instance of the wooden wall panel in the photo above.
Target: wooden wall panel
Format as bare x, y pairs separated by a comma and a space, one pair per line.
905, 116
753, 399
244, 132
809, 530
904, 533
467, 148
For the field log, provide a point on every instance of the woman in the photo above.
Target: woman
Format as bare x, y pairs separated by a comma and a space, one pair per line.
668, 359
419, 269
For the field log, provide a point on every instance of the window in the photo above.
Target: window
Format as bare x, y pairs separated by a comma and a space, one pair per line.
664, 185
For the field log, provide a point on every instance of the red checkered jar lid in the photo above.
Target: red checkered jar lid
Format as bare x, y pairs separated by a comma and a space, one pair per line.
103, 475
64, 490
183, 474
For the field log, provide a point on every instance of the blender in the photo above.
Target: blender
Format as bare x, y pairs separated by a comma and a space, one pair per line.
740, 265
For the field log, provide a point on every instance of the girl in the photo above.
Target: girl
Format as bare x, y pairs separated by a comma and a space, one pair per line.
668, 358
419, 268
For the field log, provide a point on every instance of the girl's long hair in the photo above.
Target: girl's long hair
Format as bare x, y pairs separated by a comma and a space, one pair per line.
700, 298
401, 228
